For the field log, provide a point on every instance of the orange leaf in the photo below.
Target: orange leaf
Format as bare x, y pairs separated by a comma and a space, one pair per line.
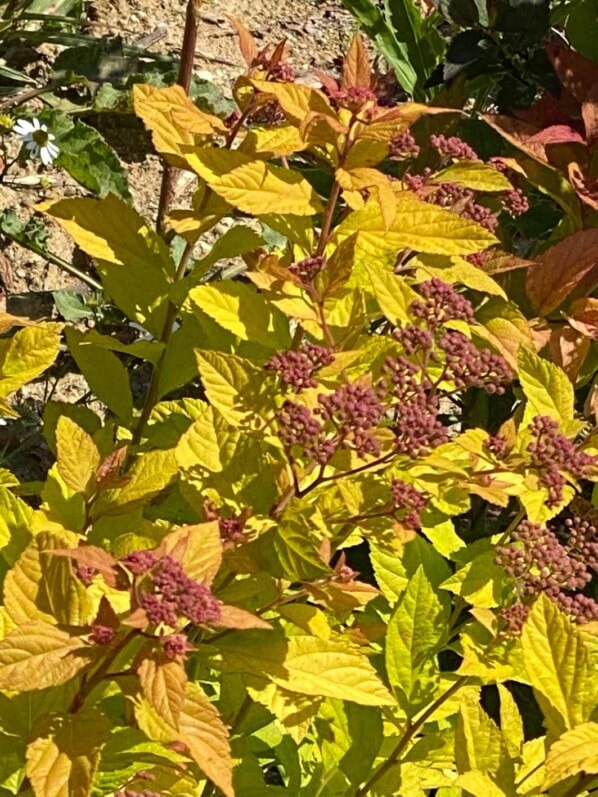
356, 67
583, 316
247, 45
562, 268
569, 349
233, 617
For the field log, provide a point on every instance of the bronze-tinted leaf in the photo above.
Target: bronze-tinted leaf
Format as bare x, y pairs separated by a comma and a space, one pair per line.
561, 268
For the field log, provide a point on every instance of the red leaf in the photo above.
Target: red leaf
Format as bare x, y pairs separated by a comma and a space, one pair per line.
556, 134
561, 268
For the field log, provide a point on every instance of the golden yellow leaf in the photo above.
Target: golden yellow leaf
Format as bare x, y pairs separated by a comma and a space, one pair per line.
26, 355
296, 99
63, 758
254, 186
273, 141
132, 259
576, 751
417, 225
78, 457
474, 174
164, 685
558, 666
201, 730
174, 120
36, 655
198, 548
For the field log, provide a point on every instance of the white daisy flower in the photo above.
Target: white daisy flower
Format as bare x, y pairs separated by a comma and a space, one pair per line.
37, 140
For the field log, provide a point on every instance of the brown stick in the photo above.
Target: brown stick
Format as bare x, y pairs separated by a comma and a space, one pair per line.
184, 79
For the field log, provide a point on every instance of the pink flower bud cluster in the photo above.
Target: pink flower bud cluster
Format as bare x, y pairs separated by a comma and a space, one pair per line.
345, 574
480, 214
174, 595
553, 452
453, 147
231, 528
540, 562
296, 369
416, 182
403, 145
353, 410
467, 366
448, 194
85, 574
515, 202
101, 634
353, 98
307, 269
139, 562
497, 445
135, 793
409, 501
441, 303
347, 417
414, 338
514, 618
279, 70
478, 259
175, 646
583, 540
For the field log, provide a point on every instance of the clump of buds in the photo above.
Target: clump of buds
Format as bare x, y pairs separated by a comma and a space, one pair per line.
497, 445
296, 369
175, 646
353, 97
85, 574
167, 594
101, 634
354, 410
441, 303
541, 562
403, 145
408, 502
453, 147
307, 269
467, 366
553, 452
478, 259
515, 202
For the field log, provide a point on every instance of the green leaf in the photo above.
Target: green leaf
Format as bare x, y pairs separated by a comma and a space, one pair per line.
105, 374
415, 633
395, 52
558, 666
351, 737
91, 161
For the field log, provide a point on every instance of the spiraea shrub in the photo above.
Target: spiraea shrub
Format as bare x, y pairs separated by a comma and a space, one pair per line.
345, 542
